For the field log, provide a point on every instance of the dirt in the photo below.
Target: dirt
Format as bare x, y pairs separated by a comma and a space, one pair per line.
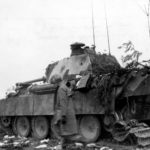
11, 142
18, 143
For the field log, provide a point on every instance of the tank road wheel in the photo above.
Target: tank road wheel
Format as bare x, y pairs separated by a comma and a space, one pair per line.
40, 127
23, 126
89, 128
5, 121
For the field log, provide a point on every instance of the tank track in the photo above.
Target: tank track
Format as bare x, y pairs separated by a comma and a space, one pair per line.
142, 134
135, 133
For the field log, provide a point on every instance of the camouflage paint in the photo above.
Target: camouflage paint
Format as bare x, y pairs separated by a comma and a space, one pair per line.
71, 66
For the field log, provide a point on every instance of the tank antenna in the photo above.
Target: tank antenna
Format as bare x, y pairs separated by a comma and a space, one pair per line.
93, 25
108, 40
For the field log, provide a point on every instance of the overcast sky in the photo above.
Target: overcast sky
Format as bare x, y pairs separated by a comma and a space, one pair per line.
33, 33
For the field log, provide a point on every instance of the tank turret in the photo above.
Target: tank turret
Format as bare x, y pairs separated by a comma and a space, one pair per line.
83, 60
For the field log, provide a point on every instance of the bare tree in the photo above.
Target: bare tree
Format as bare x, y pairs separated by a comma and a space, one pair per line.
131, 55
146, 11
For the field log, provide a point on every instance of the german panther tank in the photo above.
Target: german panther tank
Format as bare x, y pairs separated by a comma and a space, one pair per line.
105, 97
30, 108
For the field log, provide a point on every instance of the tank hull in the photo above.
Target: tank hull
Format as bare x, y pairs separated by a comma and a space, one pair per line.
36, 105
28, 105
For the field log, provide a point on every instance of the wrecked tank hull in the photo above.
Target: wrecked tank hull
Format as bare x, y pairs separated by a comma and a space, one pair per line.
134, 93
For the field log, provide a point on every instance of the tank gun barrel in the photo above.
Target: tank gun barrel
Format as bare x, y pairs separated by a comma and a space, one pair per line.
31, 81
43, 88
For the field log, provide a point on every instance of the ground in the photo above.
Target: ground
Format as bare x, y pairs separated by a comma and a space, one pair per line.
18, 143
10, 142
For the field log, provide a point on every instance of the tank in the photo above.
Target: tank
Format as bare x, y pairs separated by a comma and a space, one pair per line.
105, 94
